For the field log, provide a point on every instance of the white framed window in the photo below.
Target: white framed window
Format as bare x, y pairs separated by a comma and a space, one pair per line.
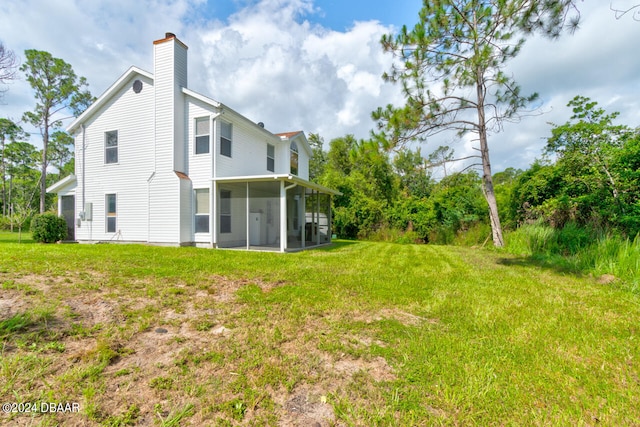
111, 213
294, 158
201, 219
203, 126
271, 158
226, 132
111, 147
225, 211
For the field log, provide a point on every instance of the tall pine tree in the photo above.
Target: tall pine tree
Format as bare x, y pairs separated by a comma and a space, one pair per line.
452, 72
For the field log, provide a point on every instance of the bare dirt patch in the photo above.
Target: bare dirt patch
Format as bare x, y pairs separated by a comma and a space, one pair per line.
307, 406
403, 317
153, 356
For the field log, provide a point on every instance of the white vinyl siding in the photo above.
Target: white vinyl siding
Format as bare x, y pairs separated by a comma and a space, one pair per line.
131, 115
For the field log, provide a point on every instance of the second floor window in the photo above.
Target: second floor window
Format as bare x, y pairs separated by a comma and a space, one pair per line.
271, 158
294, 158
111, 146
225, 139
202, 135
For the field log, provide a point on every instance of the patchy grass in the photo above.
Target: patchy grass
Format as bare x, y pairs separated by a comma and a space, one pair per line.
354, 334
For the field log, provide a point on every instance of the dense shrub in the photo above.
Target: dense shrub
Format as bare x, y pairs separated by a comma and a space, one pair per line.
48, 228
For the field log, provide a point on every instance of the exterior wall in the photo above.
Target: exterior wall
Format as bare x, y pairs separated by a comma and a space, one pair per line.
283, 158
248, 149
129, 114
199, 167
186, 211
303, 162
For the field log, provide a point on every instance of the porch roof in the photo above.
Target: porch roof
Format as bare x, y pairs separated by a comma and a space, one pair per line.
69, 181
282, 177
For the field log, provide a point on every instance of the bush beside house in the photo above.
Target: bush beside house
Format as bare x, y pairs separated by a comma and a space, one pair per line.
48, 228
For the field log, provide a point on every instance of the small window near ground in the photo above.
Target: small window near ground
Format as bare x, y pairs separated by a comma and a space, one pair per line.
202, 211
202, 135
111, 147
225, 211
225, 139
111, 213
271, 158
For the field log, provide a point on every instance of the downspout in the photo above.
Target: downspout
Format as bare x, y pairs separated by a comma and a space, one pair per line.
84, 150
213, 192
153, 174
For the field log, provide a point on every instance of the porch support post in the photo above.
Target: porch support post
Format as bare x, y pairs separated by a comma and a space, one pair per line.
317, 212
213, 220
283, 217
330, 218
247, 194
302, 214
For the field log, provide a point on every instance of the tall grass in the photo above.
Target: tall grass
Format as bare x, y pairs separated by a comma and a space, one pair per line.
580, 250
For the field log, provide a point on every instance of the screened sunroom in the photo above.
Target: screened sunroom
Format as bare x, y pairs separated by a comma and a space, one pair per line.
274, 212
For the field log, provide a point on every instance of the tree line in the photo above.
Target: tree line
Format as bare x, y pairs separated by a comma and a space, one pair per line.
588, 175
25, 170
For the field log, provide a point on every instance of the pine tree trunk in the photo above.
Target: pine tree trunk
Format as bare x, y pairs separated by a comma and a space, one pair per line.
4, 180
43, 175
487, 179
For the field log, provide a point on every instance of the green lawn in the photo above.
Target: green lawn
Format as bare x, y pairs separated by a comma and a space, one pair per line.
357, 334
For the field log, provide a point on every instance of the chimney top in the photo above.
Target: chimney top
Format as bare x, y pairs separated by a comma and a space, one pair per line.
170, 36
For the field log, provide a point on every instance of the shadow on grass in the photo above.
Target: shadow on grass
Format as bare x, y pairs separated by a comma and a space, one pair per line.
9, 237
337, 245
555, 263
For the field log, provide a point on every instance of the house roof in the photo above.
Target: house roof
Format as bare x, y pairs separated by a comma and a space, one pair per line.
298, 135
69, 181
104, 98
288, 135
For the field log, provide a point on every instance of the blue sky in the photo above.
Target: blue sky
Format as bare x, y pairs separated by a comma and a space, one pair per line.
316, 65
337, 15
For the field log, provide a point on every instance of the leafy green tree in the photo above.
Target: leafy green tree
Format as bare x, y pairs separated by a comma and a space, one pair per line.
452, 73
60, 153
361, 170
9, 132
440, 157
504, 183
21, 159
57, 89
594, 162
318, 158
588, 141
410, 166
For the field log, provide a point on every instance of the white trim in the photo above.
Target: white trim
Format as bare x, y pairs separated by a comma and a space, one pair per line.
280, 177
106, 95
64, 182
200, 97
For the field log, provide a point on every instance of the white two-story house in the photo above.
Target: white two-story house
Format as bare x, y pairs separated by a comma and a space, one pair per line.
159, 163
